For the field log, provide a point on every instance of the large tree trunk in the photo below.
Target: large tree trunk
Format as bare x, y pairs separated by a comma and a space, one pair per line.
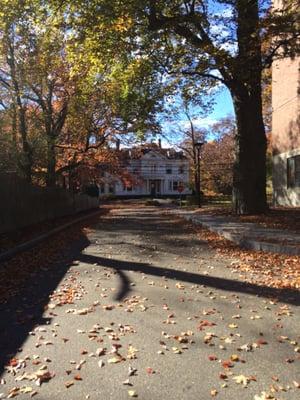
249, 175
249, 178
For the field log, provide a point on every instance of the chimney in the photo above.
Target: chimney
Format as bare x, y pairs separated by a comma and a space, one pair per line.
159, 143
118, 144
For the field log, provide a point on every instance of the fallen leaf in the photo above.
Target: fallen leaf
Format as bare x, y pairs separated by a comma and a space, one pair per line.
150, 371
223, 376
26, 389
234, 357
100, 351
131, 371
244, 380
241, 379
179, 286
227, 364
260, 342
176, 350
264, 396
115, 360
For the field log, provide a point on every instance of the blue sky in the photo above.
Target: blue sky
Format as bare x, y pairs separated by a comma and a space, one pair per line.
223, 107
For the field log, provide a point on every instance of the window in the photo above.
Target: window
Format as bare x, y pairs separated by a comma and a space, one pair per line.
102, 188
181, 169
169, 169
111, 189
153, 169
293, 171
127, 188
174, 185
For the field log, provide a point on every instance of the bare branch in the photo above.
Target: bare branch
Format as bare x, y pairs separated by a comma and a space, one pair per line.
204, 75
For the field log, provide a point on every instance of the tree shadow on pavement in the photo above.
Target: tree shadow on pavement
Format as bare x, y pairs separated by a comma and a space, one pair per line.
21, 313
289, 296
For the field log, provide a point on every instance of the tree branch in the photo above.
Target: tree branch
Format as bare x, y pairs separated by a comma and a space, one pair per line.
204, 75
4, 83
179, 24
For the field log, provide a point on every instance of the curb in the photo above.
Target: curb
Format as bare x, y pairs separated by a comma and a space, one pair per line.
7, 255
244, 242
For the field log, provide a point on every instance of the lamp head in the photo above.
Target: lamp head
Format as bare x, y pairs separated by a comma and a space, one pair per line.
199, 144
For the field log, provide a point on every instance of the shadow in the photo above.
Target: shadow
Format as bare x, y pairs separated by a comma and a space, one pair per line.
21, 313
285, 295
158, 227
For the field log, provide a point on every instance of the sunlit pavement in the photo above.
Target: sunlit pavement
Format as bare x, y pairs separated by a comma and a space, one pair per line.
147, 310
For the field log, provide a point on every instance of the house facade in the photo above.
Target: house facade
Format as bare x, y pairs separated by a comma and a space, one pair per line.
149, 171
286, 131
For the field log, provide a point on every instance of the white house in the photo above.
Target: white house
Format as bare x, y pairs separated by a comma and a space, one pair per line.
149, 171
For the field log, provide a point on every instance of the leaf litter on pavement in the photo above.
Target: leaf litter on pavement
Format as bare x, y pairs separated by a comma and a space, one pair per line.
115, 343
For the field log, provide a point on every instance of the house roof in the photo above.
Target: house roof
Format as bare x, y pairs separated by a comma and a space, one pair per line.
138, 152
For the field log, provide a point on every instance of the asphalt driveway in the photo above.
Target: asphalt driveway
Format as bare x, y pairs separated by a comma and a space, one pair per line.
145, 309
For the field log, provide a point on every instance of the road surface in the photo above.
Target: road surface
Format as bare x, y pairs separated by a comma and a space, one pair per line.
144, 309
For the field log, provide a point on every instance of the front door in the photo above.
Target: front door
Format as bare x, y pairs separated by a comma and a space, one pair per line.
154, 187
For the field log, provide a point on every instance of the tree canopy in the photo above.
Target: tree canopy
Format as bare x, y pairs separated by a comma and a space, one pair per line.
67, 94
76, 74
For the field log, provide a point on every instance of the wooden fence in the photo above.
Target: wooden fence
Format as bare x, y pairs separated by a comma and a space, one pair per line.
22, 204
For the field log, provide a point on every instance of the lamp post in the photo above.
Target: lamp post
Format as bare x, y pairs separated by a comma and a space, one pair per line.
198, 146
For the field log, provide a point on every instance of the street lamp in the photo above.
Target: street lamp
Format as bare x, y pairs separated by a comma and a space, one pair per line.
198, 146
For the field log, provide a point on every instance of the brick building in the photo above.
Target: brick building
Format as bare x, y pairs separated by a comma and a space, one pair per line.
286, 131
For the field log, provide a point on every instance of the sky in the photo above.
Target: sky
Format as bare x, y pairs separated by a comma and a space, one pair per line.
223, 105
222, 108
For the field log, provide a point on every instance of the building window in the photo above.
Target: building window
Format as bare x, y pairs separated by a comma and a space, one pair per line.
102, 188
175, 186
111, 189
153, 169
181, 169
168, 169
293, 171
127, 188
